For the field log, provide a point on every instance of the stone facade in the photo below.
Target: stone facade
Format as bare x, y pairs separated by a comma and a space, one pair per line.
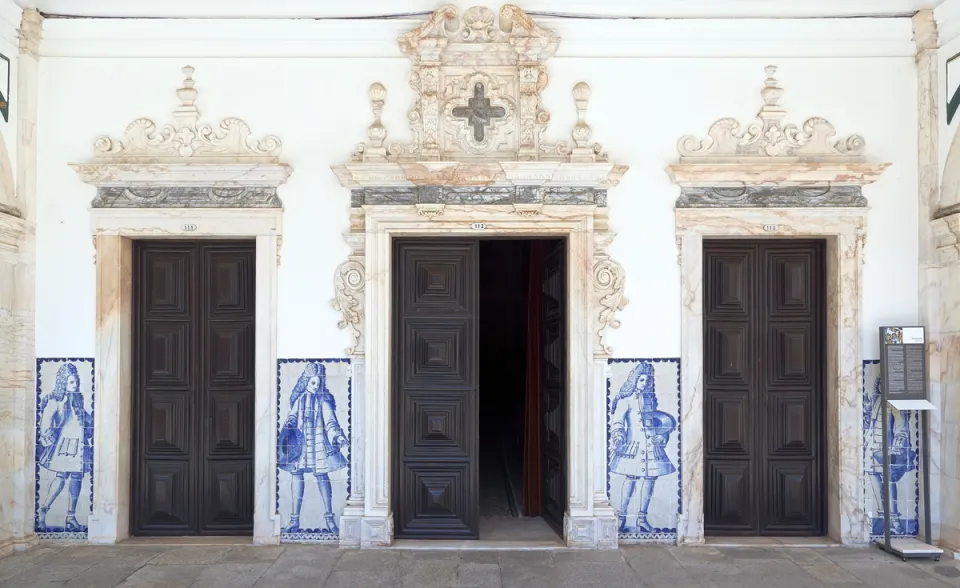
479, 154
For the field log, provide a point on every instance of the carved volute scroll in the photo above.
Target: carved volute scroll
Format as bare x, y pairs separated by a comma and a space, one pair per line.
477, 126
185, 163
770, 162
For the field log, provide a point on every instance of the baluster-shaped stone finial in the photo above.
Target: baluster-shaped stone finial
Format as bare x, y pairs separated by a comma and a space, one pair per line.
582, 131
376, 132
187, 113
771, 113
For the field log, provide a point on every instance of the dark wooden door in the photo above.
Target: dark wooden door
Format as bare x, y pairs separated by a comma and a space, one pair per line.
193, 388
763, 318
435, 486
553, 355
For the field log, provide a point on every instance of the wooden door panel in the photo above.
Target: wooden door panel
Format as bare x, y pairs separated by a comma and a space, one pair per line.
728, 505
167, 428
789, 355
229, 487
763, 387
732, 431
444, 504
728, 352
435, 488
168, 355
166, 488
227, 333
438, 352
193, 388
792, 430
792, 493
553, 308
435, 423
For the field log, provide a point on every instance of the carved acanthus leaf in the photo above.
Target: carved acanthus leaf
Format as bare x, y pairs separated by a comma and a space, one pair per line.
349, 282
768, 136
608, 279
144, 141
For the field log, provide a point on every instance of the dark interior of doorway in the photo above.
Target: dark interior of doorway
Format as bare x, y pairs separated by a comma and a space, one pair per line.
510, 428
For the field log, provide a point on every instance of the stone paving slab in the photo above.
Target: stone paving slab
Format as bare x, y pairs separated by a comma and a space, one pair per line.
296, 566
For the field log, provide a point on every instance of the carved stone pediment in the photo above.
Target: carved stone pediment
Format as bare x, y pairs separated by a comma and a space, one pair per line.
770, 152
478, 118
185, 163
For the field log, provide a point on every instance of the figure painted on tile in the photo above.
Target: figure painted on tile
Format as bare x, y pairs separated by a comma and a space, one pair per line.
639, 436
310, 442
902, 458
65, 444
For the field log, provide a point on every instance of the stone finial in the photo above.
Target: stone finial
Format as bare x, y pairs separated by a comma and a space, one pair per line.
581, 131
187, 114
376, 131
186, 139
768, 136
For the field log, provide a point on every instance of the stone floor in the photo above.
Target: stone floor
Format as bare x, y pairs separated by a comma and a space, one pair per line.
314, 566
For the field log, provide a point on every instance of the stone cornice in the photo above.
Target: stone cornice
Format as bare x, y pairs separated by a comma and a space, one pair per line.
462, 173
183, 174
12, 230
762, 172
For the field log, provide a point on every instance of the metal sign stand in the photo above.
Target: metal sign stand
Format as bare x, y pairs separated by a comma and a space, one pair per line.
909, 400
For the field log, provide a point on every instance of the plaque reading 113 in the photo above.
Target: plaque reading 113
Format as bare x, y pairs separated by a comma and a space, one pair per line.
904, 362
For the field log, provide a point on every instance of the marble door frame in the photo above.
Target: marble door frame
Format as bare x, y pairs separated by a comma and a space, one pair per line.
114, 231
368, 518
844, 229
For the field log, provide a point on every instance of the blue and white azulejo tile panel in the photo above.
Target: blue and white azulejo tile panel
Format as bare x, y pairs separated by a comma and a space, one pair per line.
313, 447
64, 450
643, 447
903, 429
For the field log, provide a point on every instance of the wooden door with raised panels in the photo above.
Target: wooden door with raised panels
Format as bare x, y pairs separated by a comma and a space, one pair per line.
193, 388
763, 382
435, 381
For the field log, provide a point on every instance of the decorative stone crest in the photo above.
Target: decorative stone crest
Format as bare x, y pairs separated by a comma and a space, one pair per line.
770, 152
478, 125
186, 163
146, 142
478, 119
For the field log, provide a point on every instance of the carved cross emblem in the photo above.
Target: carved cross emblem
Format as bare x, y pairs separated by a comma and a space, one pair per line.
479, 113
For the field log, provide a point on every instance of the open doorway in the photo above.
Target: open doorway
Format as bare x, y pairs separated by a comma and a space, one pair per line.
513, 373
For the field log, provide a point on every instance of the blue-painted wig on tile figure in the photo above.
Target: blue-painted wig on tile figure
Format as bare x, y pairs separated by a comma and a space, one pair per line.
644, 448
903, 434
64, 458
312, 447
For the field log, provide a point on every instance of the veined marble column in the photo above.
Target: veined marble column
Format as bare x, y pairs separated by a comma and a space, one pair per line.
947, 228
17, 283
925, 37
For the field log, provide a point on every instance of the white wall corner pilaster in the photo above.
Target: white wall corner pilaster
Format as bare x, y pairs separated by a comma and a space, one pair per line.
795, 181
186, 179
926, 38
17, 288
507, 177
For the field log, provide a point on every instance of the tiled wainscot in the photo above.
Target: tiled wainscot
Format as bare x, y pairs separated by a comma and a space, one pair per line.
643, 447
64, 451
903, 429
313, 447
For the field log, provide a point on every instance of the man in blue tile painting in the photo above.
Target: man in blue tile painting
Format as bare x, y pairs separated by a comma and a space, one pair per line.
639, 436
313, 421
65, 444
